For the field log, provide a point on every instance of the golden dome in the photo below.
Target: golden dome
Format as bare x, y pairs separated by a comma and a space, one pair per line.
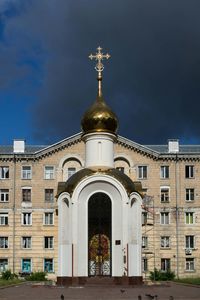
99, 118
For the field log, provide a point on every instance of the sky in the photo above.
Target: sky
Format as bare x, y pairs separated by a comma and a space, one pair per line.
151, 81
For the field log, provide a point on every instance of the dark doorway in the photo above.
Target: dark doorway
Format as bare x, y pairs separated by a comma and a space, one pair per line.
99, 235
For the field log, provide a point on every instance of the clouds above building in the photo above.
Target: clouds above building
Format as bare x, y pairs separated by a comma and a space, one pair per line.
151, 81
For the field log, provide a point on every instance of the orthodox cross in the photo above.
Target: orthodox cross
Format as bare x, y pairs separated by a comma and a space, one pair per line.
99, 56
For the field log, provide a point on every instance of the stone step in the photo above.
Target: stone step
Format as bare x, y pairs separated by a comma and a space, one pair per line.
98, 280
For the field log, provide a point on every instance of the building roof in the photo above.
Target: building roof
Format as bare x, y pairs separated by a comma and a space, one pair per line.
70, 185
152, 150
29, 149
182, 148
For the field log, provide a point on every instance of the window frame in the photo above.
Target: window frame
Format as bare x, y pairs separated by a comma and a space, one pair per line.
5, 216
26, 174
166, 198
190, 194
144, 242
45, 194
164, 213
188, 262
22, 261
144, 264
4, 195
165, 242
141, 172
4, 242
44, 218
164, 172
144, 217
29, 243
70, 171
167, 261
29, 197
22, 220
51, 173
3, 175
50, 242
190, 171
188, 241
2, 265
193, 216
44, 266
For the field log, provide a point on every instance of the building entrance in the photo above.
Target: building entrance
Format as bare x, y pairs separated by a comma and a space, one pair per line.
99, 235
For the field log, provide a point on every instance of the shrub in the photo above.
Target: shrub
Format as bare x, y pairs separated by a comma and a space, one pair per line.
159, 275
8, 275
37, 276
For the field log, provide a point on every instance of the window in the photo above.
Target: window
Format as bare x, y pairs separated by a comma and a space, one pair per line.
26, 218
165, 264
164, 242
164, 194
144, 242
48, 265
26, 242
26, 194
3, 242
189, 218
144, 264
164, 218
164, 172
189, 171
142, 172
189, 241
3, 218
4, 172
4, 195
70, 172
48, 218
121, 169
26, 265
49, 172
49, 195
189, 264
26, 172
144, 217
3, 264
48, 242
189, 195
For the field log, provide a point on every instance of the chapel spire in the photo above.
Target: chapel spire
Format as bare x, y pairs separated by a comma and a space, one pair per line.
99, 56
99, 117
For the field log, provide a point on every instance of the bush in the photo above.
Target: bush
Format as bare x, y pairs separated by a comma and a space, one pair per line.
8, 275
37, 276
158, 275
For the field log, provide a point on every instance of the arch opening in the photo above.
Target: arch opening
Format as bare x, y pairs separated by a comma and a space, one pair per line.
99, 235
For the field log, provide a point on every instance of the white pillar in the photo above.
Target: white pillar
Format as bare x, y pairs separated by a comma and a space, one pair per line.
64, 237
135, 237
99, 149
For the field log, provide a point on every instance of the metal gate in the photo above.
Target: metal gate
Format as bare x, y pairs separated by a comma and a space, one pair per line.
99, 256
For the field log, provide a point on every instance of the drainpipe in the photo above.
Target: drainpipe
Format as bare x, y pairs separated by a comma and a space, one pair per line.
14, 208
177, 216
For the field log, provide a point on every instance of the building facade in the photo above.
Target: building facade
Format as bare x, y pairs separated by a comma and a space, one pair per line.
170, 217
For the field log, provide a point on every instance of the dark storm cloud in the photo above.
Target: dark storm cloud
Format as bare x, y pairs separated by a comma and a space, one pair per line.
152, 81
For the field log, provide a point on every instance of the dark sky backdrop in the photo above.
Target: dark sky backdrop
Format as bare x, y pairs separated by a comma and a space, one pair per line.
152, 80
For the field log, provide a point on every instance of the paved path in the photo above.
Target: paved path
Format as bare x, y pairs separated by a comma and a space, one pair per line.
39, 292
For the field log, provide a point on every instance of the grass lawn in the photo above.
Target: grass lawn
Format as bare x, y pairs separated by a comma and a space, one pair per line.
4, 282
189, 280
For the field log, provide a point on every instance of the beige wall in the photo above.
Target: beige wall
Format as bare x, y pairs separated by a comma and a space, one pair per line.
128, 158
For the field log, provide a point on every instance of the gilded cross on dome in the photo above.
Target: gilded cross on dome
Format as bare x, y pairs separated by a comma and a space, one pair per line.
99, 56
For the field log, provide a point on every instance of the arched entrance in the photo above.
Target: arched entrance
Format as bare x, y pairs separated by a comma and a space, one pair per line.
99, 235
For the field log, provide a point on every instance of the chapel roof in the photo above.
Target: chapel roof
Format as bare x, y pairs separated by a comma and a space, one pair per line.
70, 185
